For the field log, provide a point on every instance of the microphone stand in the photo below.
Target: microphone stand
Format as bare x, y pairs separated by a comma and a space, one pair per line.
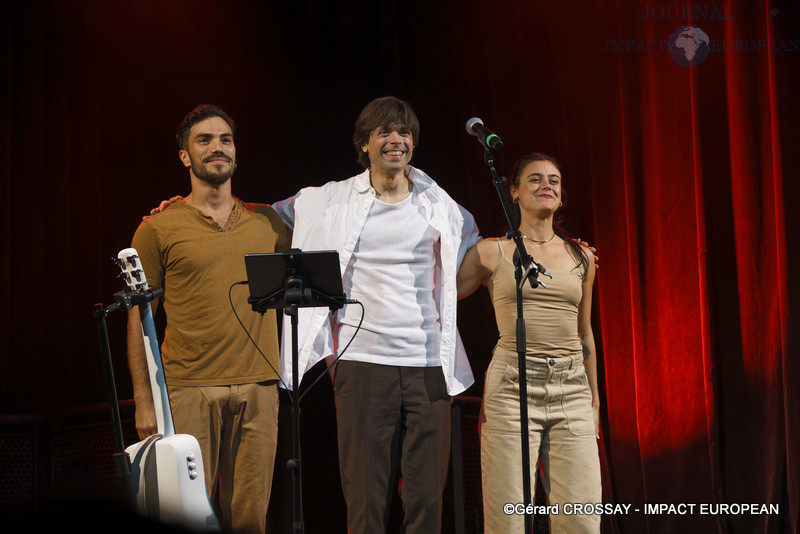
525, 269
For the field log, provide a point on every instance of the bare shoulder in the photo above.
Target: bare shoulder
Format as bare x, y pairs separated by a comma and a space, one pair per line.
589, 254
591, 267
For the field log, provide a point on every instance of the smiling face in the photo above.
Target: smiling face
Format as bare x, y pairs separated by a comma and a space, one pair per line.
389, 149
538, 187
377, 121
210, 152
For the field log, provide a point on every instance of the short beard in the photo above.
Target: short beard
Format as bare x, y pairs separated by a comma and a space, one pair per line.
211, 177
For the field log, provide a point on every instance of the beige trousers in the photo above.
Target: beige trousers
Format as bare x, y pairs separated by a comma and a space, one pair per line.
237, 429
562, 437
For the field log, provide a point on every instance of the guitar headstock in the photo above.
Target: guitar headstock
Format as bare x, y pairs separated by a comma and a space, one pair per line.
132, 271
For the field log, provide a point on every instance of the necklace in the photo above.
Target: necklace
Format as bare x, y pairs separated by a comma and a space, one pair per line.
540, 242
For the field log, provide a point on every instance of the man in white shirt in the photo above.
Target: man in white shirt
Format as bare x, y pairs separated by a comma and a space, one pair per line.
400, 239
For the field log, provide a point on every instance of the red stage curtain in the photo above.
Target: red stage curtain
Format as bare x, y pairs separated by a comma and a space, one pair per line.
676, 174
685, 179
693, 290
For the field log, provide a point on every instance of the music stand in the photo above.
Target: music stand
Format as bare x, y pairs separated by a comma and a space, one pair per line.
290, 280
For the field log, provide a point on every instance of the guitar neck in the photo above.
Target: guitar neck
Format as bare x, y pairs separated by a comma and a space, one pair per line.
155, 366
137, 281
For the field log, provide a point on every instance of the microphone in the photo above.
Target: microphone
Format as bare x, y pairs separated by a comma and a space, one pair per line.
487, 138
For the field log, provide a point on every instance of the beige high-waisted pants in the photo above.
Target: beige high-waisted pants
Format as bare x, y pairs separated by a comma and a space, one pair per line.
562, 436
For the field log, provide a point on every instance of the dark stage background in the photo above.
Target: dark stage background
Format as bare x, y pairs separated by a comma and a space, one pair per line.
683, 177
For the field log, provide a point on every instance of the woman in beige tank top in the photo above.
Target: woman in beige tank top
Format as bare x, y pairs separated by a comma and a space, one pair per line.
563, 399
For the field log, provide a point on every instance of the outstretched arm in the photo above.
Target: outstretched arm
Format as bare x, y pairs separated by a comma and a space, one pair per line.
477, 266
587, 342
285, 208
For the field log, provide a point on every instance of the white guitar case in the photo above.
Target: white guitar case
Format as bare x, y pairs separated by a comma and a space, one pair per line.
167, 477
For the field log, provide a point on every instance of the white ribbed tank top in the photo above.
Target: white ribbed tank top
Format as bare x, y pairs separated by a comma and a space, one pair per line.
392, 273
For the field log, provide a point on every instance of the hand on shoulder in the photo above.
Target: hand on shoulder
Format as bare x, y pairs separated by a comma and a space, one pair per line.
163, 205
588, 249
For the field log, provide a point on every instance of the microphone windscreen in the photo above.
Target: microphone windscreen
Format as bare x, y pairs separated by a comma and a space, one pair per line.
472, 122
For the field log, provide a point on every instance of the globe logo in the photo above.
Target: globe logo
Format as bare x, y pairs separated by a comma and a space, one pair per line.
689, 46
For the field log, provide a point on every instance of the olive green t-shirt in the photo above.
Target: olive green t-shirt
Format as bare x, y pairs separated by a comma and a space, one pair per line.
197, 263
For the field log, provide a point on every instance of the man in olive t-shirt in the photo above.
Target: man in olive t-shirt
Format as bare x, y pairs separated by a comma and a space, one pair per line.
222, 390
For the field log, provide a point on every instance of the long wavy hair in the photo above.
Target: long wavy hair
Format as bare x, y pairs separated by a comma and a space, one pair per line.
577, 252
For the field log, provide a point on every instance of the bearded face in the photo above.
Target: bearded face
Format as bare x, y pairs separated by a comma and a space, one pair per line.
211, 152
